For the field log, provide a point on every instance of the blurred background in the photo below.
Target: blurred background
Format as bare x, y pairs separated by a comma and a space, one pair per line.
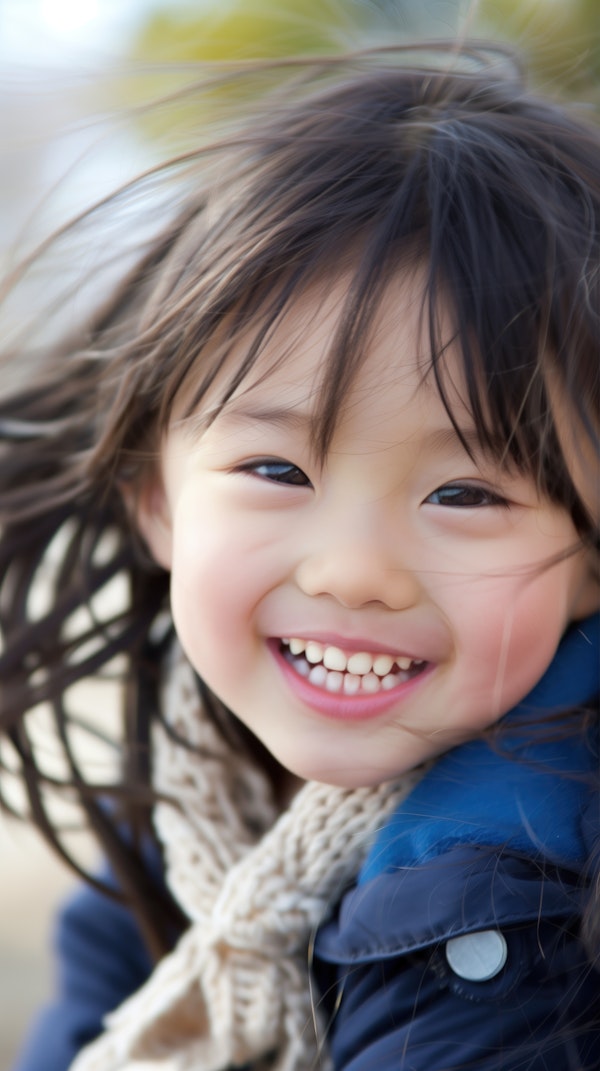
75, 76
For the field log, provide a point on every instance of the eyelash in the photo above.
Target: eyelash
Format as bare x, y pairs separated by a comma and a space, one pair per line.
456, 491
274, 471
282, 467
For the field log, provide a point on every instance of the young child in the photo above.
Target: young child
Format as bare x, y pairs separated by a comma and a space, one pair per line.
344, 407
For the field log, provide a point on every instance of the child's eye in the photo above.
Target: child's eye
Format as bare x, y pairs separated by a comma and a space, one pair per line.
465, 495
278, 472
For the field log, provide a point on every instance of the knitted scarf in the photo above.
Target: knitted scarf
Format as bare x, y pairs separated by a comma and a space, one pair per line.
255, 885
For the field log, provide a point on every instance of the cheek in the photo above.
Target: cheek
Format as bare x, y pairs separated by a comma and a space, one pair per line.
220, 573
508, 633
206, 585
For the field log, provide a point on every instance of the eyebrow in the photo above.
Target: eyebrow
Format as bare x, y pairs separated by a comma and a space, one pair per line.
447, 438
436, 439
278, 415
495, 449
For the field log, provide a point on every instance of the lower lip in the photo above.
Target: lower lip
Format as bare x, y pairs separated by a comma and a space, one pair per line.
345, 707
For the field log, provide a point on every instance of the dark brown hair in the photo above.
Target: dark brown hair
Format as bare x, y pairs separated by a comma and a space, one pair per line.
366, 164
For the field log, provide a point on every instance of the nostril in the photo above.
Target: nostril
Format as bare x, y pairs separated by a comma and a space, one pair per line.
357, 578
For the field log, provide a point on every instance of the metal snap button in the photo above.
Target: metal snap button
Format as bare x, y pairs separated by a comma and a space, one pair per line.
477, 957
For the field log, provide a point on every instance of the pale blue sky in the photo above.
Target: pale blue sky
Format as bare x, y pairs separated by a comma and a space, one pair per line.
55, 32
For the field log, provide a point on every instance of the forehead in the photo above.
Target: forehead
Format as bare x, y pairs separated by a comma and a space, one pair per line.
306, 355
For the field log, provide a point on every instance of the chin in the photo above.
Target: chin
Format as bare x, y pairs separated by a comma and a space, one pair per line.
340, 777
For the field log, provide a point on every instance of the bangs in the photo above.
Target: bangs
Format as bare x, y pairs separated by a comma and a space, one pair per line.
494, 194
499, 344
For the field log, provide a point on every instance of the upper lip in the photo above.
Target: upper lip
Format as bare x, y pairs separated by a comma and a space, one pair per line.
355, 643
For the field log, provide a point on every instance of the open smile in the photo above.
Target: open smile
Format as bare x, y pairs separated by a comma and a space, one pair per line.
356, 672
346, 684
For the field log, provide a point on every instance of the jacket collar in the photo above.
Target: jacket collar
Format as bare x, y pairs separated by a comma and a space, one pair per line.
508, 794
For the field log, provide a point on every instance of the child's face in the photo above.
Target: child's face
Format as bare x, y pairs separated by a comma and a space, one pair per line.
423, 580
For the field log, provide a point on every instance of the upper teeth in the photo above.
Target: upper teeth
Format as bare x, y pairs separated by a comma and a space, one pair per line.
359, 662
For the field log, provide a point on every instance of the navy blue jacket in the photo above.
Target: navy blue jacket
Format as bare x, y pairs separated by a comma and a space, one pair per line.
458, 948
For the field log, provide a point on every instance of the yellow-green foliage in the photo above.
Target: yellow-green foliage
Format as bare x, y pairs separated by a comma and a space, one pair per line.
243, 29
559, 38
179, 43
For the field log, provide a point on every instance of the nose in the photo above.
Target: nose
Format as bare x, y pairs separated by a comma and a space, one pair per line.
357, 572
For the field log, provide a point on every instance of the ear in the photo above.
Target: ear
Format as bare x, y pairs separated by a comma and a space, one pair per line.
150, 510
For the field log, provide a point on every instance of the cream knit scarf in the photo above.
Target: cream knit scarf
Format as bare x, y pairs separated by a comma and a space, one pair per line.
255, 885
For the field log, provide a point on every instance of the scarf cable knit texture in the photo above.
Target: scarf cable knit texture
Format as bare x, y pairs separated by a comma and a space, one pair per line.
255, 885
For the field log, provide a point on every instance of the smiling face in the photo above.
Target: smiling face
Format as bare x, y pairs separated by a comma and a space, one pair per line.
365, 614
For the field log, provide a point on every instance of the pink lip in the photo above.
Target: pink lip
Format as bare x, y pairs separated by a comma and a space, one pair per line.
342, 707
